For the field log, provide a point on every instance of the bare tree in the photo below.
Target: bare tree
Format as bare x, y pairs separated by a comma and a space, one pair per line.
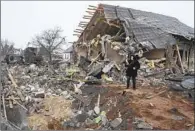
50, 40
6, 47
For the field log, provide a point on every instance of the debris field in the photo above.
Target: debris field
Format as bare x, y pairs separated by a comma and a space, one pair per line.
88, 92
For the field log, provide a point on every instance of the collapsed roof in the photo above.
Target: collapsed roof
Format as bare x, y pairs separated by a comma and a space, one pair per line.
69, 50
149, 29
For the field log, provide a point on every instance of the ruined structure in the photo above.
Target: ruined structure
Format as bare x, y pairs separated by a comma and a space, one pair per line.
115, 31
68, 54
29, 54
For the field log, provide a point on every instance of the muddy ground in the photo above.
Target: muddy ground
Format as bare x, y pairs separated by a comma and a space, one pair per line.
168, 110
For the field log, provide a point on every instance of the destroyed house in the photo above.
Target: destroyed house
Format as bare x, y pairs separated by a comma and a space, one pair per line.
29, 54
114, 31
68, 54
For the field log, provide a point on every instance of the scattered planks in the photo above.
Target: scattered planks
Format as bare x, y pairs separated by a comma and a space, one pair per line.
4, 109
83, 22
76, 31
94, 60
15, 85
87, 16
90, 12
92, 6
112, 24
82, 26
149, 97
79, 29
12, 79
76, 35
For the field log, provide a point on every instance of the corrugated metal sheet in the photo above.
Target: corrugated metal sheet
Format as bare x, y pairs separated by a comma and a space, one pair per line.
153, 29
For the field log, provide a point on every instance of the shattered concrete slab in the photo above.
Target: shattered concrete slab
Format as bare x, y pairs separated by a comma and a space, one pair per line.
188, 84
17, 116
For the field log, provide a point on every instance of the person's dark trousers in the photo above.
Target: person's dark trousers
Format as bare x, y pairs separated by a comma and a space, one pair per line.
128, 81
134, 81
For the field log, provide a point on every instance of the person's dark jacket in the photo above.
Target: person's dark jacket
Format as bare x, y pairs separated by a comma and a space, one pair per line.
132, 67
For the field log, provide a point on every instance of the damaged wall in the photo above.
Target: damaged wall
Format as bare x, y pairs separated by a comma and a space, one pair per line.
94, 51
186, 50
113, 55
191, 58
81, 50
155, 54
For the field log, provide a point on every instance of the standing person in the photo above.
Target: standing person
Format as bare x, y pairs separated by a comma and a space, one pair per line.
132, 65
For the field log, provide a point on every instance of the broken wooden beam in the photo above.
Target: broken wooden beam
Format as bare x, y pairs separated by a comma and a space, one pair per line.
19, 104
119, 32
97, 106
9, 98
10, 104
85, 17
179, 57
92, 9
84, 22
82, 26
76, 34
95, 59
92, 6
77, 31
12, 79
15, 85
95, 9
112, 24
149, 97
88, 16
103, 48
91, 13
4, 109
122, 34
118, 68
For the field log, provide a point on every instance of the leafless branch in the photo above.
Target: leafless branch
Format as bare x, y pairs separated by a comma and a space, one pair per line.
50, 40
7, 47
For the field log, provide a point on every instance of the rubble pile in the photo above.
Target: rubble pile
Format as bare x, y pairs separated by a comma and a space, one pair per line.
29, 86
36, 91
39, 92
98, 64
61, 96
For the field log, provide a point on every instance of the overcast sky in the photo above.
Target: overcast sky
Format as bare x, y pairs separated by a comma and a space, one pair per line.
21, 20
